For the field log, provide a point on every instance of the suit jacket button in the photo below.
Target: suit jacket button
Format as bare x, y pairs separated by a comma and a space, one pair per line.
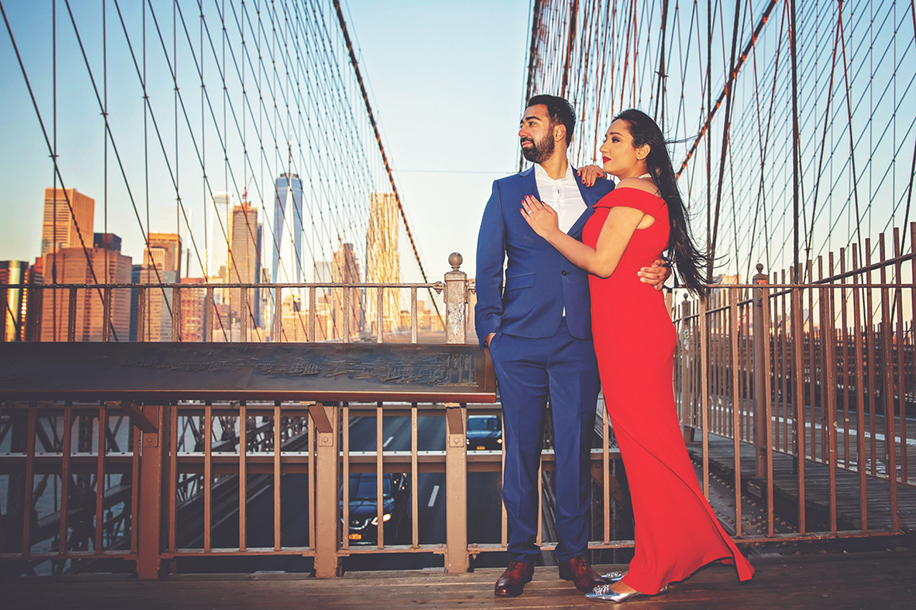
563, 272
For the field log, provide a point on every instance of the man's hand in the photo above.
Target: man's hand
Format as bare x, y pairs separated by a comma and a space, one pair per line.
490, 338
590, 173
656, 274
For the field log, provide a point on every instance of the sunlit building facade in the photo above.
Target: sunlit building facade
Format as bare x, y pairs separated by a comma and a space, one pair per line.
382, 262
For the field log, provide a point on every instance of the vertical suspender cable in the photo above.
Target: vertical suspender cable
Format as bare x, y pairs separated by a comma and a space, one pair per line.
795, 140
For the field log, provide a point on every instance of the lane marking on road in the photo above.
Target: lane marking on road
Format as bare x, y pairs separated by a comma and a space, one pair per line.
432, 496
388, 442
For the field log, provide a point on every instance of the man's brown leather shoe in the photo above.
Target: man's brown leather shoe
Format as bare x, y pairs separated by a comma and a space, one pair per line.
581, 573
514, 579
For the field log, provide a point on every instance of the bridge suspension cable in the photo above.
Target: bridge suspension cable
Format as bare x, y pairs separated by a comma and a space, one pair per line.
790, 124
218, 110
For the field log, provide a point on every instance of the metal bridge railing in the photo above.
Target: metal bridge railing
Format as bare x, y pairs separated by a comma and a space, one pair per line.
812, 378
813, 359
229, 312
142, 484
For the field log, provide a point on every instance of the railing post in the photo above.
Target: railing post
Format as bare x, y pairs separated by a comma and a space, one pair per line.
327, 537
3, 314
456, 298
176, 314
456, 456
761, 425
277, 320
209, 314
71, 315
687, 418
150, 509
456, 485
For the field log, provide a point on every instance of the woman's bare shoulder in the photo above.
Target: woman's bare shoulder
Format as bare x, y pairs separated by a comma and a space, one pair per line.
642, 184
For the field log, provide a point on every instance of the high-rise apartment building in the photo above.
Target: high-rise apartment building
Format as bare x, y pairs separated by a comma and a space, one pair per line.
89, 266
345, 270
68, 216
245, 264
286, 242
382, 262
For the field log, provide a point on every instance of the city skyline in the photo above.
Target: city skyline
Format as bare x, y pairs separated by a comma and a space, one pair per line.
131, 205
149, 314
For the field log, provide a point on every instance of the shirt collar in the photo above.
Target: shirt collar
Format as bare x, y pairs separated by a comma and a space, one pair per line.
540, 172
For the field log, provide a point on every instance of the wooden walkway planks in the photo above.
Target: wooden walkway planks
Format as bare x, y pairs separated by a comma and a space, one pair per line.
861, 580
785, 486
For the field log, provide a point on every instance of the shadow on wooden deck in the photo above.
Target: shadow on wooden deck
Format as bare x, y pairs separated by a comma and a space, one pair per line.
870, 580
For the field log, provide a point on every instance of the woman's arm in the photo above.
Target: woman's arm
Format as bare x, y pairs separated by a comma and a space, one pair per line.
618, 228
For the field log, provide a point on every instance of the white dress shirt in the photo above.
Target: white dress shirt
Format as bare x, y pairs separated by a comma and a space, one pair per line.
562, 195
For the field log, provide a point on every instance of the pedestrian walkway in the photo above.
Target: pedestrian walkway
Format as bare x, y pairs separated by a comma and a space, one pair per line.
884, 579
817, 490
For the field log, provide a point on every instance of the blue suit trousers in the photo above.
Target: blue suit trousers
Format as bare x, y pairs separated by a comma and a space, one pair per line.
530, 371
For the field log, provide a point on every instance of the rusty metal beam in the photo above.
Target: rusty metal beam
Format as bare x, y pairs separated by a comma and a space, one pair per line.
166, 372
135, 413
319, 414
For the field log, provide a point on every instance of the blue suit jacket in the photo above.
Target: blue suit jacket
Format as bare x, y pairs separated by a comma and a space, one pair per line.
539, 281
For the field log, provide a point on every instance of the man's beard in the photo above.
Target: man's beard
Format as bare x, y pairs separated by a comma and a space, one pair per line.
539, 151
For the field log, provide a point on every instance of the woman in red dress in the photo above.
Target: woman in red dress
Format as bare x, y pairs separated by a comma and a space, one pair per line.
676, 529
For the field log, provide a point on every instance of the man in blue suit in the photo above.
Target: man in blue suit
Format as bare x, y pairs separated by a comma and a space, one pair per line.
537, 325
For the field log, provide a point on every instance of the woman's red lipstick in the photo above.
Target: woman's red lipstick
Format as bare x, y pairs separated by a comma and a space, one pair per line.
605, 159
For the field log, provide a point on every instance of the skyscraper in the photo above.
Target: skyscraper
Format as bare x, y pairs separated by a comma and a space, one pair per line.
79, 266
294, 319
194, 314
151, 320
345, 270
382, 262
286, 243
165, 251
219, 235
61, 227
244, 263
161, 261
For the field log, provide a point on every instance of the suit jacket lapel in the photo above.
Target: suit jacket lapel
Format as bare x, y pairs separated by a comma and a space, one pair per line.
576, 229
529, 185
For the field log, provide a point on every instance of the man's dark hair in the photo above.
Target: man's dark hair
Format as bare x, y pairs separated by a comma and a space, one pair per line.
559, 111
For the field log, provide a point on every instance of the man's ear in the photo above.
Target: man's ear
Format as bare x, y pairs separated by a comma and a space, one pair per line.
559, 132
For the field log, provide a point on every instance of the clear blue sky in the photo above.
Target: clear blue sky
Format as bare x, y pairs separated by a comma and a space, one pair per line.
446, 81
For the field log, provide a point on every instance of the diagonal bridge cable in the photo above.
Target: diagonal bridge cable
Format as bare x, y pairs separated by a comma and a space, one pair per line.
381, 147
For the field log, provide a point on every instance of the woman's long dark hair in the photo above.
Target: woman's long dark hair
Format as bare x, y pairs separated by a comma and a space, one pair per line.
688, 258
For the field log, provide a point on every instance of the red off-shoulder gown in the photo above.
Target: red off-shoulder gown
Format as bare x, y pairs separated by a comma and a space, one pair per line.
676, 529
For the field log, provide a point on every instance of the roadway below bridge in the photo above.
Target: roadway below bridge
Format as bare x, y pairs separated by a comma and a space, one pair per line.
484, 511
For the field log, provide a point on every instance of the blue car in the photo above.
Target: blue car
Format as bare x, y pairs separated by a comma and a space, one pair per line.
485, 432
363, 525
